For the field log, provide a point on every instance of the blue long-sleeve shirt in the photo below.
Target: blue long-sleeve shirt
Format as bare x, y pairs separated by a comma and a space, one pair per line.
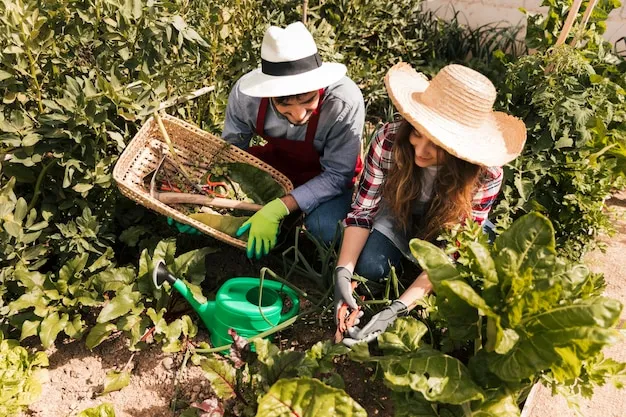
337, 139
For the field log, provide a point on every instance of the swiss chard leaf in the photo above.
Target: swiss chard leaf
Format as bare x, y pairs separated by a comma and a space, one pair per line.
254, 182
307, 397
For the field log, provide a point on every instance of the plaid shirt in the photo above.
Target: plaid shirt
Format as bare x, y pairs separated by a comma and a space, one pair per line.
379, 160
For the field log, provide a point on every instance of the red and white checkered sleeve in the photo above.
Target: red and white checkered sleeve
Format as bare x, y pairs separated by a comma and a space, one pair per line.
379, 159
487, 193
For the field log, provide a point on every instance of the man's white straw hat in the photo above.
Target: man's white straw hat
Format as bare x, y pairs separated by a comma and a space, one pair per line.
290, 65
455, 111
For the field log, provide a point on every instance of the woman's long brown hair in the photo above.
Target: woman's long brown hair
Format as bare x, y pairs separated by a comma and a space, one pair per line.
452, 194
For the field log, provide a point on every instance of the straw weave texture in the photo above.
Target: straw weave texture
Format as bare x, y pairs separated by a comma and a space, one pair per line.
193, 146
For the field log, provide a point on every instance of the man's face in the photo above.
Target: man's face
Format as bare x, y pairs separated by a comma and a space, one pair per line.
297, 109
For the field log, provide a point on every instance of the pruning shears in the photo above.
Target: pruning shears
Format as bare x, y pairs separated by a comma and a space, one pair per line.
211, 187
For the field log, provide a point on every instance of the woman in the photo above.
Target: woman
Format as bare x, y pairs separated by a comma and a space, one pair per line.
440, 165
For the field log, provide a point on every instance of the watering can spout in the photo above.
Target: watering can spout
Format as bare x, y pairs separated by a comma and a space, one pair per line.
161, 274
205, 310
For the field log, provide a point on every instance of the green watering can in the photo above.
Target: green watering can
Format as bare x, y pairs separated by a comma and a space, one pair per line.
236, 305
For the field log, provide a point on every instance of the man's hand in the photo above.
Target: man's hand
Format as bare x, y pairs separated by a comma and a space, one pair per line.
183, 228
377, 324
263, 228
343, 290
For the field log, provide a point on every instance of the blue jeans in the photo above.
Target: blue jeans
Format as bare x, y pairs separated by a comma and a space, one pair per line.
379, 254
323, 220
377, 257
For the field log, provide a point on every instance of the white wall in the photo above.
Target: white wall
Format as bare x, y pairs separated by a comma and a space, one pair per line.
480, 12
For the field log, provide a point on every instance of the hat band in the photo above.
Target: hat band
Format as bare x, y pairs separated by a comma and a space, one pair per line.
299, 66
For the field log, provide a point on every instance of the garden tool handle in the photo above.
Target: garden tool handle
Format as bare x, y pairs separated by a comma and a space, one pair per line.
185, 198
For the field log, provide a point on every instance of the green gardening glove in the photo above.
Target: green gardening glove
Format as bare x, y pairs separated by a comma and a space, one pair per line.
263, 228
183, 228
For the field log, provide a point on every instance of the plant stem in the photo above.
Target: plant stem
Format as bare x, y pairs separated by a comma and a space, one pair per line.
266, 333
266, 270
37, 191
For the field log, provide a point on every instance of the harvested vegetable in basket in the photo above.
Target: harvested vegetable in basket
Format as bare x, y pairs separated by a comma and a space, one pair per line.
229, 182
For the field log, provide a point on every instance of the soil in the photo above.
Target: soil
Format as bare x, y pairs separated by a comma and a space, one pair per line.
158, 379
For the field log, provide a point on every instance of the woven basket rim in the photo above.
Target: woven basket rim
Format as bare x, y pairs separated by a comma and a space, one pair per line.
137, 157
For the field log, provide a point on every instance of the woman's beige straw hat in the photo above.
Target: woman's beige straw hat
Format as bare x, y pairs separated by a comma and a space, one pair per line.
455, 110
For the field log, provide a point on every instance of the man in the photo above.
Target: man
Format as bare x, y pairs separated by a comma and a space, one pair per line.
311, 116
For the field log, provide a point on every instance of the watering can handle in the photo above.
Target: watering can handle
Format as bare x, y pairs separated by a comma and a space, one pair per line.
295, 301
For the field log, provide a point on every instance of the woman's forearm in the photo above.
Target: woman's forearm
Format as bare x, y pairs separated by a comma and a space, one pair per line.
354, 239
418, 289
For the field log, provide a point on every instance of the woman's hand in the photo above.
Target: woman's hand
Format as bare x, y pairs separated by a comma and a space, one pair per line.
377, 324
343, 290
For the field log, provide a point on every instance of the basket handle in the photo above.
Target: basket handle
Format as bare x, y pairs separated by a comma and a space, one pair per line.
181, 99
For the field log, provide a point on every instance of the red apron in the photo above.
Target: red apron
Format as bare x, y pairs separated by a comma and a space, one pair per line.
298, 160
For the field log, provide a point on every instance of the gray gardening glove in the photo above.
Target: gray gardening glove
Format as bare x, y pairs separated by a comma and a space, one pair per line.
343, 290
377, 324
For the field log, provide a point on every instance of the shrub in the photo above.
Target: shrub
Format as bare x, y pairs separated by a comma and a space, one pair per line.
573, 103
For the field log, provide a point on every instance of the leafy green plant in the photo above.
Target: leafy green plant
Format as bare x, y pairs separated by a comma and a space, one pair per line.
572, 102
102, 410
544, 29
20, 376
272, 383
575, 154
511, 314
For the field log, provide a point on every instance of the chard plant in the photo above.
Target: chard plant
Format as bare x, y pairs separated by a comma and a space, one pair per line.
509, 315
268, 382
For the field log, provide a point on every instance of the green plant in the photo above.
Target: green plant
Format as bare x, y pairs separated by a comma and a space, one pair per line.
102, 410
271, 383
544, 29
20, 376
511, 314
575, 154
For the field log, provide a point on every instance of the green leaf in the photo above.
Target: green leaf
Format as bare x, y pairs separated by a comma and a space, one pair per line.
438, 377
165, 250
483, 264
191, 265
102, 410
498, 403
434, 261
224, 223
282, 364
29, 328
12, 228
412, 404
74, 267
559, 339
527, 244
307, 397
462, 318
257, 184
51, 326
405, 335
21, 208
220, 374
121, 304
98, 334
115, 381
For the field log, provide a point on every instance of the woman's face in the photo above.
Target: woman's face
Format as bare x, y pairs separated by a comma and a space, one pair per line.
426, 152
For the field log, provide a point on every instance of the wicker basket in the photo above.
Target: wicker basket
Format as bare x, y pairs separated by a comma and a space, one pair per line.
192, 144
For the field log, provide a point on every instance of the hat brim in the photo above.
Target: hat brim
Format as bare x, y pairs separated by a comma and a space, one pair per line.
257, 84
497, 141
